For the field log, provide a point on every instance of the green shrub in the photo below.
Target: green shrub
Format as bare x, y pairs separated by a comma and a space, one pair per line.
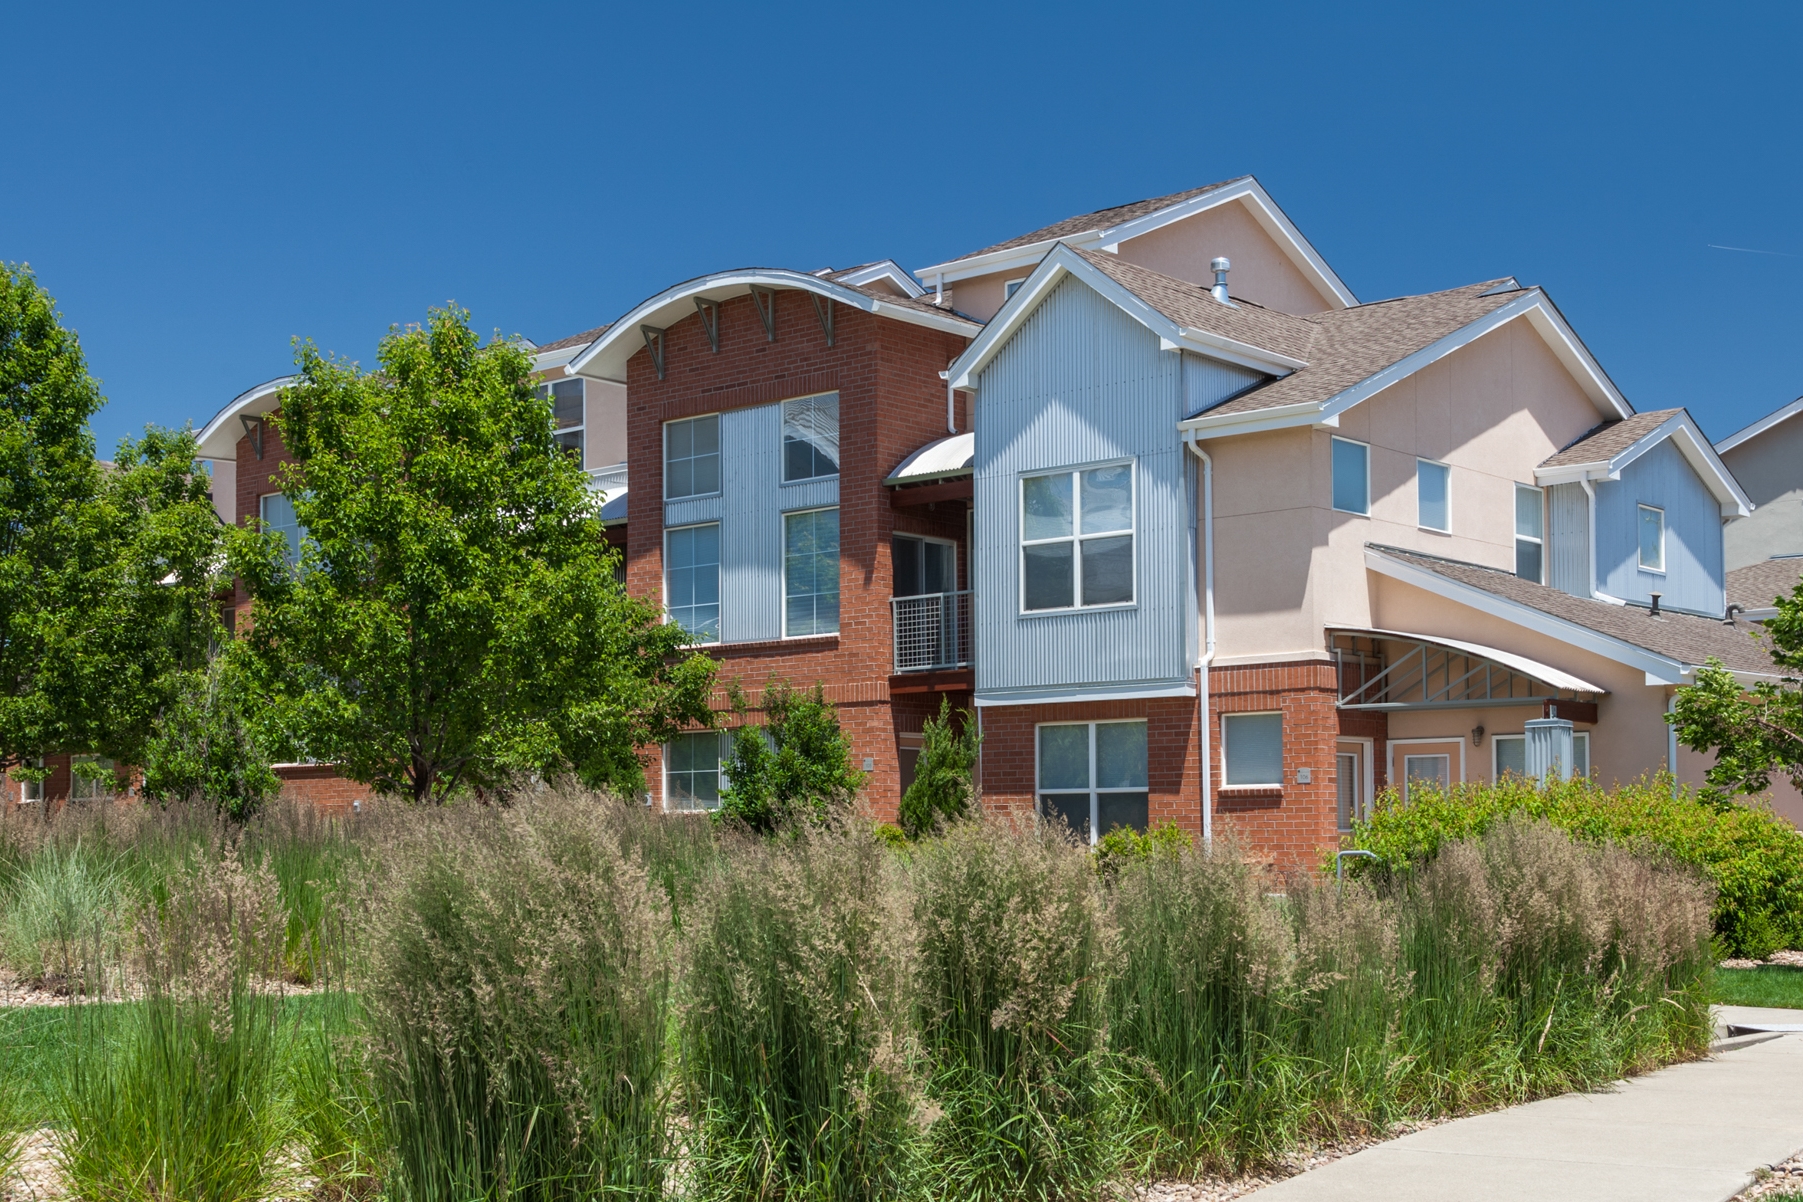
942, 788
65, 909
1753, 857
1123, 845
797, 1059
798, 765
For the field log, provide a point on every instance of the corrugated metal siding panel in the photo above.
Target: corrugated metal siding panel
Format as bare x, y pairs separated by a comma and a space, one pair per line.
1693, 533
1082, 382
1568, 560
751, 525
812, 495
1208, 382
697, 509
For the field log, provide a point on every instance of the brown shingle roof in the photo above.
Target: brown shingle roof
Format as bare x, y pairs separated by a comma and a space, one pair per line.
582, 339
1100, 219
1603, 443
1194, 307
1684, 637
1754, 586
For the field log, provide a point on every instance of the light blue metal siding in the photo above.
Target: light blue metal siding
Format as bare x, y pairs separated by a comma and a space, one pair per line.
1568, 557
1081, 383
1208, 382
1693, 533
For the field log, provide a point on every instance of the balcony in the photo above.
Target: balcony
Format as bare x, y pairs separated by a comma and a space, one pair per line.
932, 631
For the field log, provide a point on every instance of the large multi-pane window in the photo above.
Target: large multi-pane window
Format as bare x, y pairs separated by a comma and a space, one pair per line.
692, 580
1433, 495
566, 415
1092, 776
1652, 538
91, 777
1077, 538
811, 437
1511, 752
1530, 533
692, 457
811, 573
1351, 476
692, 770
1252, 749
277, 514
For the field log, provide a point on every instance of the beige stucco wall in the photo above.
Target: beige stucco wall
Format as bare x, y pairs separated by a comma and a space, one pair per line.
1770, 468
1262, 273
605, 416
1287, 564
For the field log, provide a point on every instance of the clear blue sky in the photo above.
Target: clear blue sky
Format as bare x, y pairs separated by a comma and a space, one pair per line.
197, 187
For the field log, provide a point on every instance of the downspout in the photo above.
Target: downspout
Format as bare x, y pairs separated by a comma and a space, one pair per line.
1205, 468
1671, 741
1590, 543
939, 290
951, 402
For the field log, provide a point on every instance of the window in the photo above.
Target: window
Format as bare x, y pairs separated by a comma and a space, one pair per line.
1252, 748
1010, 288
1433, 487
692, 457
566, 414
1428, 771
1351, 476
91, 778
692, 770
1077, 538
277, 514
923, 566
1652, 539
1530, 532
31, 790
811, 573
811, 438
1511, 752
1092, 776
692, 580
1346, 778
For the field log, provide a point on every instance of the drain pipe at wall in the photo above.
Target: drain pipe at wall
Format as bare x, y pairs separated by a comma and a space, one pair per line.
1671, 742
1205, 468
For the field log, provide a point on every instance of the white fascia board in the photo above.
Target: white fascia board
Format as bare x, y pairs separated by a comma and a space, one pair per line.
1684, 432
1024, 258
889, 270
606, 357
1071, 694
1063, 261
1254, 421
1571, 351
1658, 668
218, 439
1760, 427
546, 360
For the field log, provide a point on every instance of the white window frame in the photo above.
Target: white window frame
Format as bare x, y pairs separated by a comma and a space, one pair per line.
1075, 538
1447, 468
1367, 794
1270, 784
78, 783
1331, 490
1515, 542
664, 466
721, 737
1095, 804
668, 616
782, 451
1010, 287
840, 626
32, 791
1639, 510
925, 538
1390, 746
581, 426
1496, 751
263, 523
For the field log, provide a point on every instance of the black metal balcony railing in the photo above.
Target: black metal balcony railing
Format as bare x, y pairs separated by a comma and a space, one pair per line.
932, 631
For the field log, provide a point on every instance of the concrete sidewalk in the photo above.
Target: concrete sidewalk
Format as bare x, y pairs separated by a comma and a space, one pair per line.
1689, 1133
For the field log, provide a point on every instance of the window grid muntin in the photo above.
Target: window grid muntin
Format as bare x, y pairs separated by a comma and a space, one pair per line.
1532, 543
699, 632
682, 778
817, 557
1094, 791
1364, 457
1444, 471
1642, 512
1077, 537
570, 435
688, 427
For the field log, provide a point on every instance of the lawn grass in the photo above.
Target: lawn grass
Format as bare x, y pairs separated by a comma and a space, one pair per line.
1775, 985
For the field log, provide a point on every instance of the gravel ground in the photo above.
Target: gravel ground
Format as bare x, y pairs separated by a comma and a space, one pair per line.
1220, 1189
1785, 1178
35, 1178
1787, 959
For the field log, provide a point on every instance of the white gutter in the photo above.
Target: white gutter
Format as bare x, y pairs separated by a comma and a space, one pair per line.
1205, 468
1590, 505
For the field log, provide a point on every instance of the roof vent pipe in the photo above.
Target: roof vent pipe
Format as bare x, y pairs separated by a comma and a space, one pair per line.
1220, 267
1655, 610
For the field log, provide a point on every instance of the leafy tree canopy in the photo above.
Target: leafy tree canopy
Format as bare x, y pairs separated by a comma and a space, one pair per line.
1755, 733
797, 765
943, 787
453, 622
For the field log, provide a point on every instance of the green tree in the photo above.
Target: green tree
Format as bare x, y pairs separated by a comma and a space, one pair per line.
453, 623
1755, 733
797, 765
206, 745
943, 786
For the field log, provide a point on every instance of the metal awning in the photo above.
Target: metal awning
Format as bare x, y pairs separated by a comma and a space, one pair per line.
938, 460
1395, 670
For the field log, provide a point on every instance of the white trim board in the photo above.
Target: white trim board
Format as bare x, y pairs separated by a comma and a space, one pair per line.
1760, 427
1074, 694
218, 439
1683, 430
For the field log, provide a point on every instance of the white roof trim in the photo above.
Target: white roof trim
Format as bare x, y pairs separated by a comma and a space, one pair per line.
546, 360
1248, 191
1074, 693
887, 269
1658, 668
1534, 306
1521, 663
1684, 431
1760, 427
953, 455
1063, 261
605, 358
218, 439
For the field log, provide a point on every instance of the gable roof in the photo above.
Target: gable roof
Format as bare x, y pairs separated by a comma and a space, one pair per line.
1784, 413
1106, 229
1668, 648
1755, 586
607, 356
582, 339
870, 273
1602, 452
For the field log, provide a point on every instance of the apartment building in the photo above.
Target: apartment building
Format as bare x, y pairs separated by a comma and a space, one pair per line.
1764, 553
